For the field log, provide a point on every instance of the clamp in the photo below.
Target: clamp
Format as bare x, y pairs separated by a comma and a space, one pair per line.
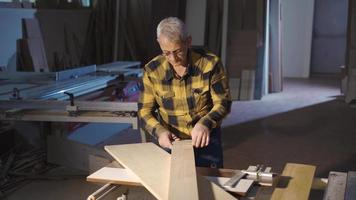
72, 109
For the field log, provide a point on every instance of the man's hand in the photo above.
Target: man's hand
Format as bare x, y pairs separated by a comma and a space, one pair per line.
200, 136
165, 139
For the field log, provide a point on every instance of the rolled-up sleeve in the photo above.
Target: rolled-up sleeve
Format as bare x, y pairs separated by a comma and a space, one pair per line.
147, 107
220, 94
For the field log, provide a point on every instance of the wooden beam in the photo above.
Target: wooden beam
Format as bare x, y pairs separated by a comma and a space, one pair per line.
295, 182
183, 176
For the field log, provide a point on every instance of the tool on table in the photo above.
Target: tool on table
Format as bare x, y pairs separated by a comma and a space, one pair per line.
256, 171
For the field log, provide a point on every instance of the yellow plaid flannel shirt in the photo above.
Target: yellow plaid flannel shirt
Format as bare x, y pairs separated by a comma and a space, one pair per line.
168, 102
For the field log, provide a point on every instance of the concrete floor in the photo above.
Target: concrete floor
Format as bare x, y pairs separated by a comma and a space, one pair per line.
306, 123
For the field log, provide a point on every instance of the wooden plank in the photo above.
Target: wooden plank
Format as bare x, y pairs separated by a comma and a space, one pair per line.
224, 32
32, 28
351, 86
38, 55
247, 85
241, 52
151, 165
183, 176
350, 193
121, 176
234, 88
295, 182
35, 42
336, 186
115, 175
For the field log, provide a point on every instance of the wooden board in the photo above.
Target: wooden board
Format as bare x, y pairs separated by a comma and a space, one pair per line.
151, 165
183, 176
295, 182
38, 55
247, 89
351, 86
336, 186
350, 193
115, 175
234, 88
123, 176
241, 52
32, 28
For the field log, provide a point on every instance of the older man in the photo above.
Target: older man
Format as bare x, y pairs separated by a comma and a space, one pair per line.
185, 95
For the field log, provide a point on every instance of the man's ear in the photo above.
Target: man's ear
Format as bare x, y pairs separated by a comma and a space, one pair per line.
189, 41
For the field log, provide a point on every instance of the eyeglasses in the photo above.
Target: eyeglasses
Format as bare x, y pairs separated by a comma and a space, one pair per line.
177, 52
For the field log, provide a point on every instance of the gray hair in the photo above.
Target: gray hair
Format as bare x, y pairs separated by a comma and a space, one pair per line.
172, 28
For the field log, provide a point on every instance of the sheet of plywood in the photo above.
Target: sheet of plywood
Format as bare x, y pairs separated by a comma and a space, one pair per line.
122, 176
115, 175
151, 165
336, 186
295, 182
247, 89
183, 176
38, 55
234, 88
32, 28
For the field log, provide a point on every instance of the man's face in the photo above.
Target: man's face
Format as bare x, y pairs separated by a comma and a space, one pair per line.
175, 52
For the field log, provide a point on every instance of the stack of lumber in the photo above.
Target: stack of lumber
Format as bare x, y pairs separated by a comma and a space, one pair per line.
244, 40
